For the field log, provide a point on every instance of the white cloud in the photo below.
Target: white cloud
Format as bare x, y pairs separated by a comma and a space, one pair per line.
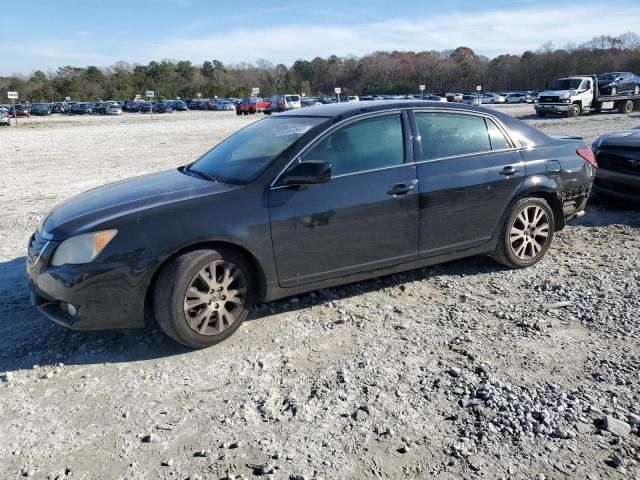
488, 32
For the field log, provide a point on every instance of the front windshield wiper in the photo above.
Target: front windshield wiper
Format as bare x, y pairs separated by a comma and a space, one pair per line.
202, 174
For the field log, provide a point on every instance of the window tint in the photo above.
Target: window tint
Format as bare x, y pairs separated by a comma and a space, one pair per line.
449, 134
365, 145
498, 140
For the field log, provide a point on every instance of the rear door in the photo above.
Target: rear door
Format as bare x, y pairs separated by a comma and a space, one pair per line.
468, 172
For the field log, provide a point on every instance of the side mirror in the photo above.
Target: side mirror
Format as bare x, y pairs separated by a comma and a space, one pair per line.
309, 172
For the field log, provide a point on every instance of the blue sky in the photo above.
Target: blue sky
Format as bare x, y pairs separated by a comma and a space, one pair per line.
45, 34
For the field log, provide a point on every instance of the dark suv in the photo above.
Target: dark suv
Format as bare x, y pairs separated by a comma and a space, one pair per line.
303, 200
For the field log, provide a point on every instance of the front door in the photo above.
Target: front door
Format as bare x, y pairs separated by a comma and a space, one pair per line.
365, 217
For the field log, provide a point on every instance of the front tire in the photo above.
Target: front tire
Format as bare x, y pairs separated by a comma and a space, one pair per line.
574, 111
202, 297
527, 233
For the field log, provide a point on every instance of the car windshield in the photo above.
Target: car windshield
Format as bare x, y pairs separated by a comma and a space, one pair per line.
242, 156
609, 76
567, 84
292, 98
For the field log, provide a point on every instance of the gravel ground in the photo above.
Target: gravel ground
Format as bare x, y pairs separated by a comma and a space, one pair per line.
462, 370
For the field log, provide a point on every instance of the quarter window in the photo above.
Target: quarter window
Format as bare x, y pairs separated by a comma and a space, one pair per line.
450, 134
365, 145
498, 140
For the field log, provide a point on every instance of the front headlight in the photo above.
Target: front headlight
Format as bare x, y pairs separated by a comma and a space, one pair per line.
82, 248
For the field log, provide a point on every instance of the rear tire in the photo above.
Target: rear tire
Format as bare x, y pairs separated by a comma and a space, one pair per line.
625, 106
527, 233
202, 297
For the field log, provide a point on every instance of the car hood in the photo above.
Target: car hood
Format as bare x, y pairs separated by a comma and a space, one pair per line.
92, 208
557, 93
620, 139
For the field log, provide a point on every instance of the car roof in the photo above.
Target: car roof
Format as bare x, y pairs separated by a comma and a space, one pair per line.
350, 109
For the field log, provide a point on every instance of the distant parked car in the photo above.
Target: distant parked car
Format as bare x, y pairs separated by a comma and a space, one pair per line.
282, 103
495, 97
224, 106
353, 98
40, 109
618, 173
158, 107
433, 98
58, 107
251, 105
178, 105
21, 110
619, 82
310, 102
471, 99
5, 119
454, 97
81, 109
515, 97
113, 109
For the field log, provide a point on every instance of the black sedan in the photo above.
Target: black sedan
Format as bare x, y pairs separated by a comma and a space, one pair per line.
41, 109
303, 200
615, 83
618, 156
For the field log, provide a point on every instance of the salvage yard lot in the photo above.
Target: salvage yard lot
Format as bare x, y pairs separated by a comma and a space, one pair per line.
459, 370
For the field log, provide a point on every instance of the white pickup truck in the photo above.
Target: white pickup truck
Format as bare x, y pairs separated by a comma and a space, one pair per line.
575, 95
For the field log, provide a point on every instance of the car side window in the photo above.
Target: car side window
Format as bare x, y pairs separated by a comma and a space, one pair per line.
364, 145
449, 134
498, 140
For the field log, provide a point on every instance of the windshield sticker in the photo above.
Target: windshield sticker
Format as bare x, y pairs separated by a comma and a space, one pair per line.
297, 130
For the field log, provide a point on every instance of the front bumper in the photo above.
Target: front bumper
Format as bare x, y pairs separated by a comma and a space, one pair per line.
552, 107
615, 184
105, 295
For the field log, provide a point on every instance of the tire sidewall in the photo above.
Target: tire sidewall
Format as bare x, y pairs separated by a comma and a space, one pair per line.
514, 212
193, 264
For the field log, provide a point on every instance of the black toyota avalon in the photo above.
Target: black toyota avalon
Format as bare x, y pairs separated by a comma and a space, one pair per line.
306, 199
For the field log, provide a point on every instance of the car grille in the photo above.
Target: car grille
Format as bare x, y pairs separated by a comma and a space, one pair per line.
549, 99
36, 245
621, 161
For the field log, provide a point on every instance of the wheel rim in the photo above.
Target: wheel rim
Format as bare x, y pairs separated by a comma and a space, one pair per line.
529, 233
215, 298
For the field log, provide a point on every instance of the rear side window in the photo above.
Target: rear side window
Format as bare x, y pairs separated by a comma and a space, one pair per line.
292, 98
365, 145
450, 134
498, 140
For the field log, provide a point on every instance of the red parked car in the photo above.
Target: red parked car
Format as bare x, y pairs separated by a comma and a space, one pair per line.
252, 105
211, 105
23, 110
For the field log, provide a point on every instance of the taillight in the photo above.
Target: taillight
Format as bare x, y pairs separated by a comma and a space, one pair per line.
588, 155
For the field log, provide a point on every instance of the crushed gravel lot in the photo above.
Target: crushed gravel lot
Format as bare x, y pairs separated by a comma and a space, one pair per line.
461, 370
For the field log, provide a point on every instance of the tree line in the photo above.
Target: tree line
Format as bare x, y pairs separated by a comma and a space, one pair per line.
398, 72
